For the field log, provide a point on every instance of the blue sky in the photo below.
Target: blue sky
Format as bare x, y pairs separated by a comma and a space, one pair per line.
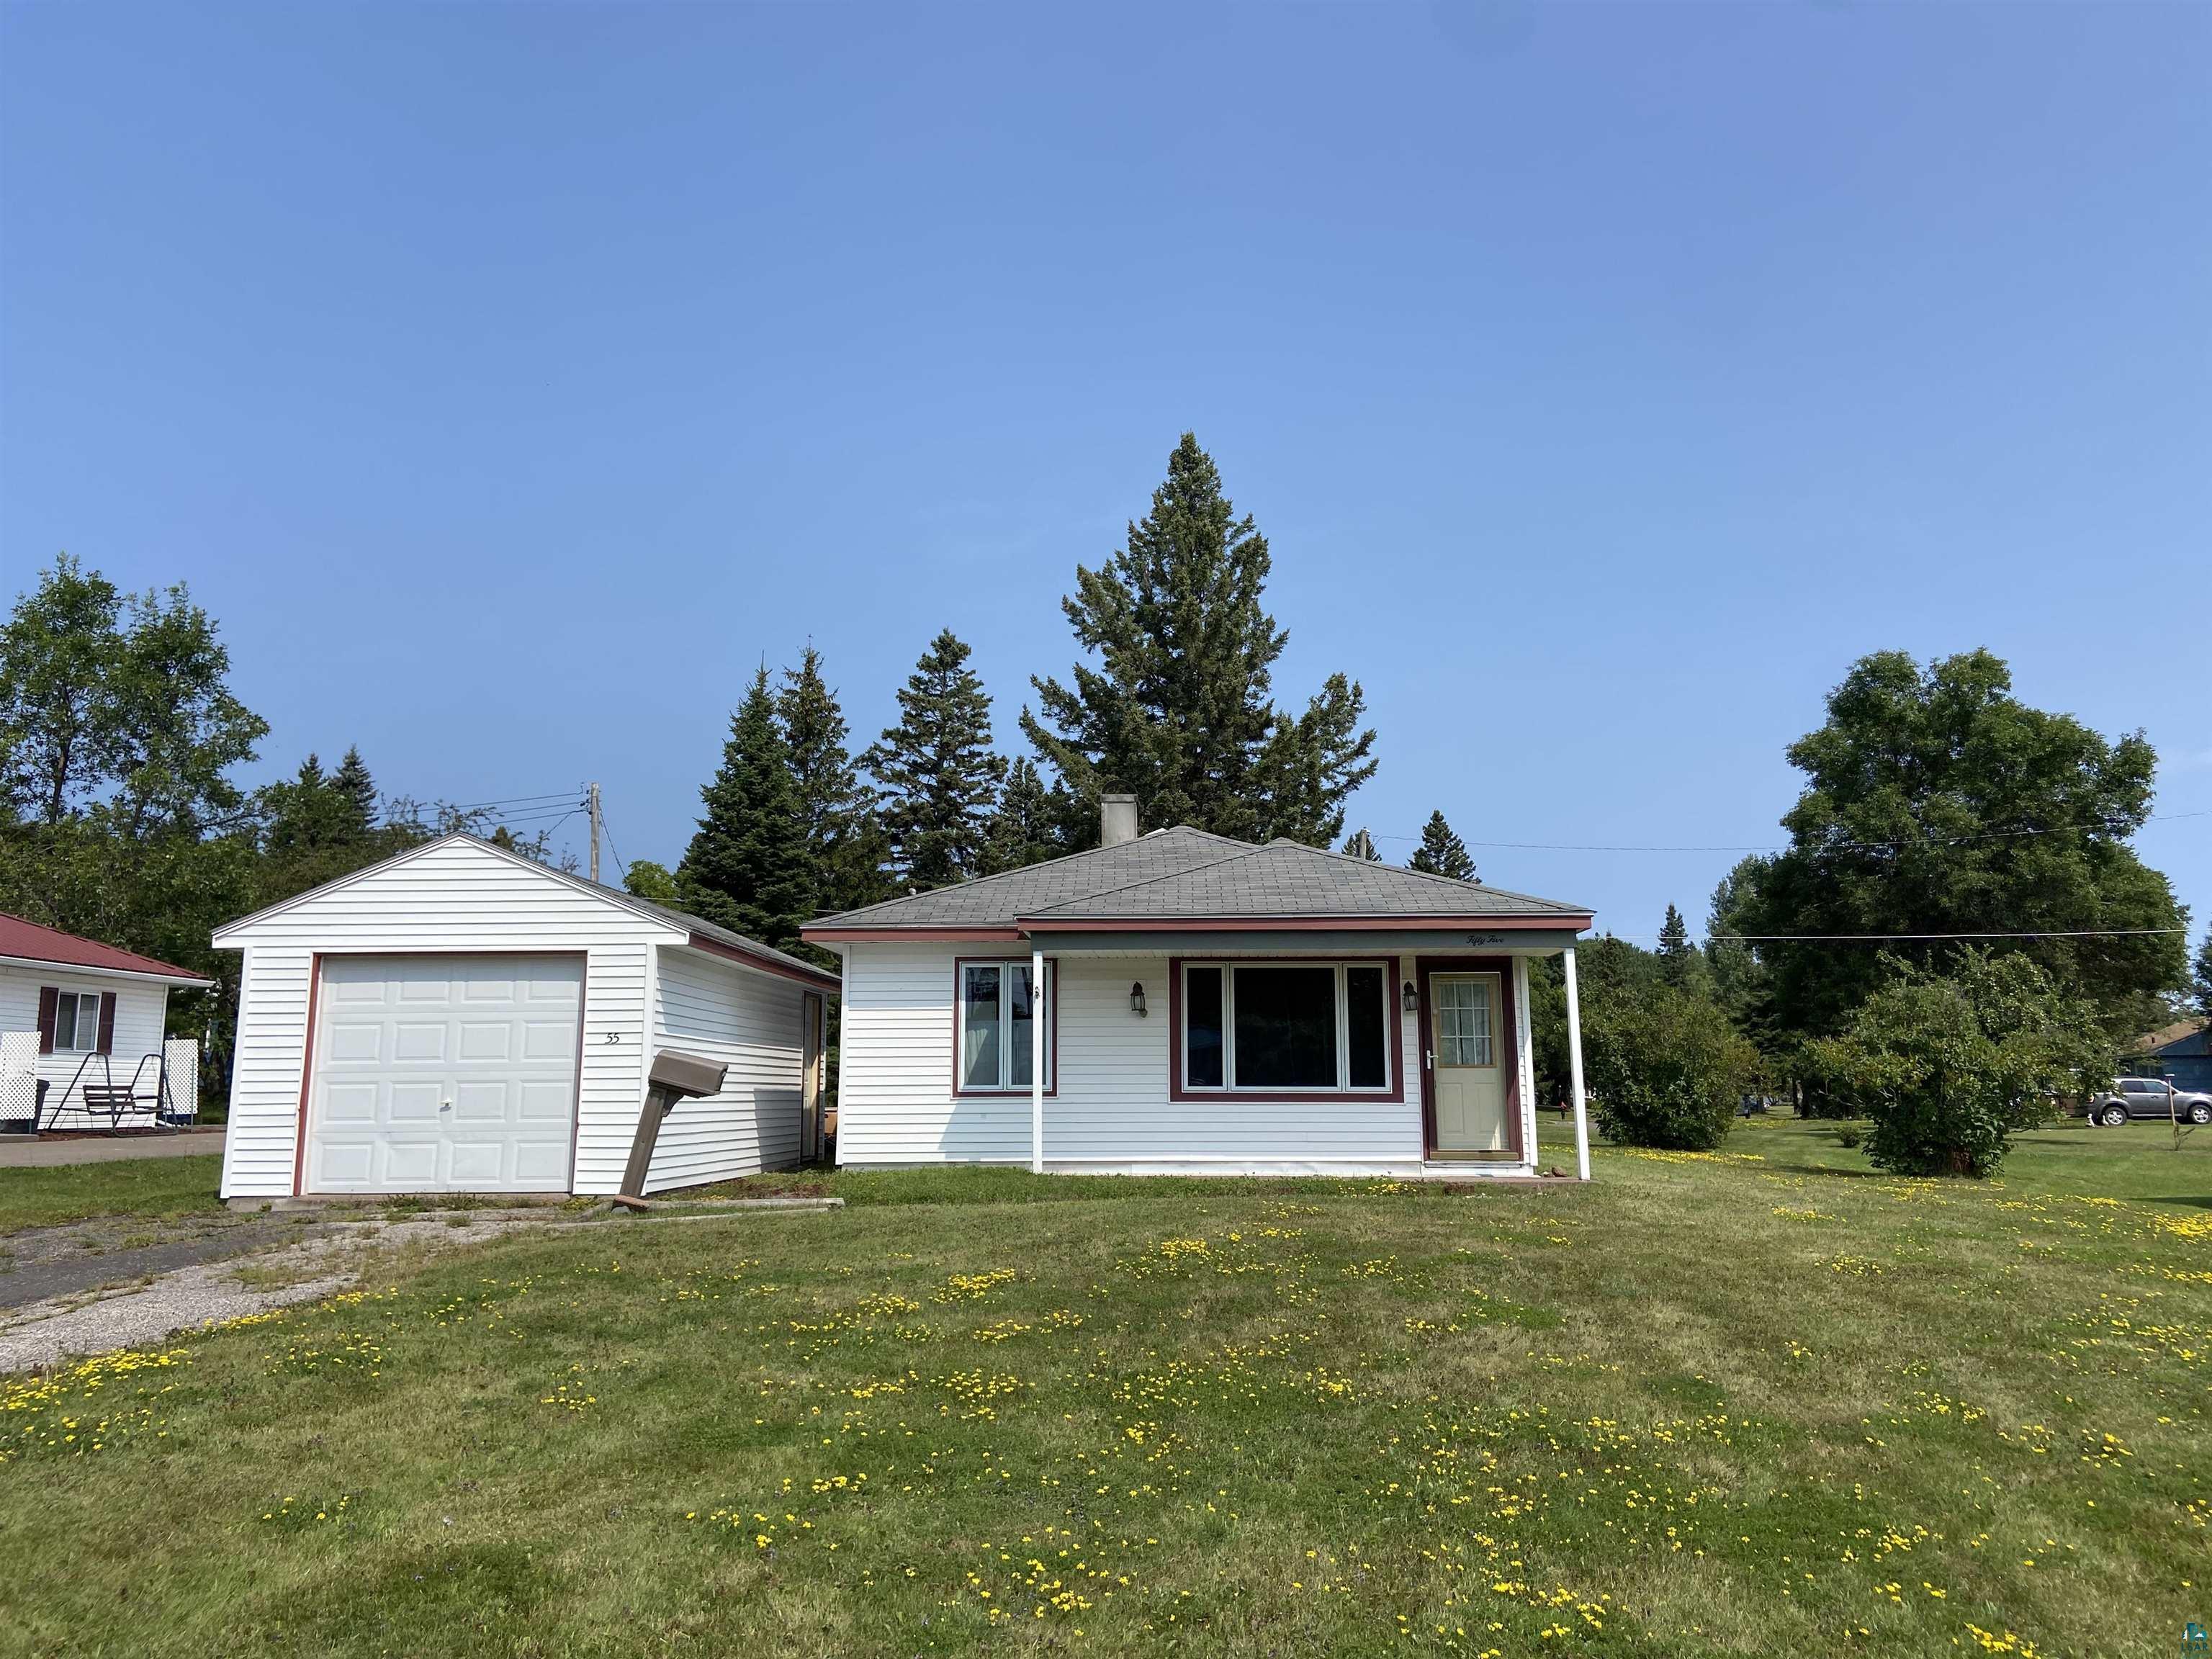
510, 380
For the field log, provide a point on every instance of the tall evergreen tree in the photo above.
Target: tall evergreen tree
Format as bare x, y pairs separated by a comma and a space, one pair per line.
746, 867
845, 847
1442, 853
356, 794
937, 778
2200, 974
1679, 963
1024, 827
1179, 709
1361, 845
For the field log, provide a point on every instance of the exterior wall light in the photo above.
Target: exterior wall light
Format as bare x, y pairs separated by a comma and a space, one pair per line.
1409, 998
1137, 1000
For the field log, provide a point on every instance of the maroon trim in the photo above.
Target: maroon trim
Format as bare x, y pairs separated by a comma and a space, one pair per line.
307, 1074
1016, 1091
1364, 923
50, 1006
1394, 1095
895, 935
813, 978
1511, 1041
108, 1021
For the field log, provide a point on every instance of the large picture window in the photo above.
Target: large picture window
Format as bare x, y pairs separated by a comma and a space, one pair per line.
998, 1009
1286, 1027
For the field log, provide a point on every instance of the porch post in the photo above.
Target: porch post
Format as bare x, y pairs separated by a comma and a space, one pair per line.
1040, 1009
1575, 1069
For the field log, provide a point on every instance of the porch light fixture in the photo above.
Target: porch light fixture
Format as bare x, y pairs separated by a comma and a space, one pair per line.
1409, 998
1137, 1000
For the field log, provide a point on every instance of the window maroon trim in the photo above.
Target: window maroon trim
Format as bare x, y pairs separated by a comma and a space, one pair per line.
307, 1075
108, 1021
1508, 1019
1018, 1090
50, 1004
1394, 1095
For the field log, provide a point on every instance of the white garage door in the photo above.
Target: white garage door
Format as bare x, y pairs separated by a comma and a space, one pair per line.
444, 1073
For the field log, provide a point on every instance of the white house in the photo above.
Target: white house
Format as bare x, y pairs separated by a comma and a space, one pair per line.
461, 1018
89, 1021
1183, 1002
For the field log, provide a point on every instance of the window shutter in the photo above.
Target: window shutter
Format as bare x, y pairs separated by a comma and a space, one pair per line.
50, 998
108, 1021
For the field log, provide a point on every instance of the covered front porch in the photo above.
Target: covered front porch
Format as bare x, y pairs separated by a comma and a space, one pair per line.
1406, 1052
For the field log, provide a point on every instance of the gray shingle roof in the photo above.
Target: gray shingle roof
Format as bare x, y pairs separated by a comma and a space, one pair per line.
715, 931
1186, 873
996, 901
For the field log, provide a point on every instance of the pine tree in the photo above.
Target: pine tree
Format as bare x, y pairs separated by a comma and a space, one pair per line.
845, 848
2202, 973
936, 776
746, 867
1024, 829
1442, 853
1361, 846
1681, 965
1180, 710
356, 794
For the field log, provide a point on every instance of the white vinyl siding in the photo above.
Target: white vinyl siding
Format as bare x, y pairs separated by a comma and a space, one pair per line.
140, 1009
452, 896
750, 1022
896, 1104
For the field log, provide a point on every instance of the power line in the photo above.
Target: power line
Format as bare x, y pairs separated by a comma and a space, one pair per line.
513, 800
612, 851
1859, 847
1864, 939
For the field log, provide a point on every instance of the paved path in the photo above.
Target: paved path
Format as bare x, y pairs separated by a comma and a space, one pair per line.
22, 1153
41, 1265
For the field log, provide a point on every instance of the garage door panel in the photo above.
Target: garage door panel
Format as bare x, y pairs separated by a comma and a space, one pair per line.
482, 1102
452, 1073
543, 1103
484, 1039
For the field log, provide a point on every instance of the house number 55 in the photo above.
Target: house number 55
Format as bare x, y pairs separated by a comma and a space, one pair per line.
612, 1036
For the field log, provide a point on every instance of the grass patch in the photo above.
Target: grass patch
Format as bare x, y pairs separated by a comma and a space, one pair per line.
1120, 1417
158, 1188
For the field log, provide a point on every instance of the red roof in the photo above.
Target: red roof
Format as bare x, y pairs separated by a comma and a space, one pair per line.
28, 941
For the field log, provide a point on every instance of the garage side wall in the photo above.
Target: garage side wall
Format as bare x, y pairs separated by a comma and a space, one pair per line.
451, 898
751, 1022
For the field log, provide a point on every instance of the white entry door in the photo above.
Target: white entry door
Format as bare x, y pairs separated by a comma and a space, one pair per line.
444, 1073
1466, 1063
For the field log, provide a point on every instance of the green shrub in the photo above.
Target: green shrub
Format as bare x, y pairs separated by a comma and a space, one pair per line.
1666, 1068
1948, 1067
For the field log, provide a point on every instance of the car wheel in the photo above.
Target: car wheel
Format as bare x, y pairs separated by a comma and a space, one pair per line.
2200, 1113
2113, 1117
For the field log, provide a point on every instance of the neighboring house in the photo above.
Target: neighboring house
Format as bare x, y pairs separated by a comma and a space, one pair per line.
1206, 1006
461, 1018
90, 1020
2181, 1052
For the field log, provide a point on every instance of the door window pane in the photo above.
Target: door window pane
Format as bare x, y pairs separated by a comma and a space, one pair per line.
1464, 1021
1365, 1021
1285, 1028
979, 1025
1201, 1027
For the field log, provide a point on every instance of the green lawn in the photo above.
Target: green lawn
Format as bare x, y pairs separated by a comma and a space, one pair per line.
1763, 1403
150, 1187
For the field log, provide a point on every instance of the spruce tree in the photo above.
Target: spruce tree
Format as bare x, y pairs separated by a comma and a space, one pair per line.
1024, 827
1680, 963
2200, 972
746, 867
355, 796
1180, 709
937, 778
845, 848
1361, 846
1442, 853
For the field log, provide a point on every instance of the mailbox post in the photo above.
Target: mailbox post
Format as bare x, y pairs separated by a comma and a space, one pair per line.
675, 1076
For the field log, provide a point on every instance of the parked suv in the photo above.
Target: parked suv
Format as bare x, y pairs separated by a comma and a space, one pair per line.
2146, 1097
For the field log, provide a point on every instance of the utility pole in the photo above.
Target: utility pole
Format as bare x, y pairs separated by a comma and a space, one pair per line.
592, 806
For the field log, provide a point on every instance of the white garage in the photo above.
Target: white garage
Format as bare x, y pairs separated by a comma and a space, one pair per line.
462, 1020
